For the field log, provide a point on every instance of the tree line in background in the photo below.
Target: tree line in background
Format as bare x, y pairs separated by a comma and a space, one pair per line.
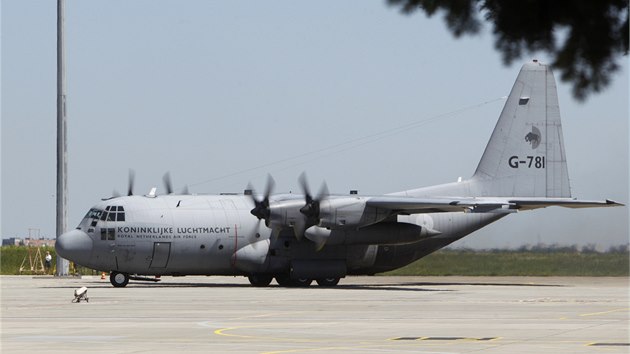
544, 248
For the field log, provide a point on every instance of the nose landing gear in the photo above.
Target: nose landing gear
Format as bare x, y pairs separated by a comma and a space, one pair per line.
119, 280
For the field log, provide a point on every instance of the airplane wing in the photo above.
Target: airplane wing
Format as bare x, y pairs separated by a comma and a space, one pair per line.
412, 205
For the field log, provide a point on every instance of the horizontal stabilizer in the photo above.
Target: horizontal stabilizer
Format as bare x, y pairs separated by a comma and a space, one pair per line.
536, 203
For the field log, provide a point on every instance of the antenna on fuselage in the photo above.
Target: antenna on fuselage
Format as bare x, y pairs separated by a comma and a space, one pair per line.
152, 193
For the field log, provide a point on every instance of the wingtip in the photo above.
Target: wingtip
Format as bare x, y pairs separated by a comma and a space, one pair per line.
613, 203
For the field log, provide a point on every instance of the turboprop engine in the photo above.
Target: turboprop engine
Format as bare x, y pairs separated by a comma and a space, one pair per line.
323, 210
389, 233
348, 213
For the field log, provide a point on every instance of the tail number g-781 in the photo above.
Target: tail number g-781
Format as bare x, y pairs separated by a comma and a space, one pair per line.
527, 162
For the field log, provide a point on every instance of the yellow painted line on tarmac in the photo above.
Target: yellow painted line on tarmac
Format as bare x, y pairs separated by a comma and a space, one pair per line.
223, 332
275, 314
445, 339
603, 312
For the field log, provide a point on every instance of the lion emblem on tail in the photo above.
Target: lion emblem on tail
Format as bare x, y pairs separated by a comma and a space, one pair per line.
533, 137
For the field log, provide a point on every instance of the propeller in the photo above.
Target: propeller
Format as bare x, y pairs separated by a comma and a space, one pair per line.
132, 177
311, 207
116, 194
167, 183
261, 207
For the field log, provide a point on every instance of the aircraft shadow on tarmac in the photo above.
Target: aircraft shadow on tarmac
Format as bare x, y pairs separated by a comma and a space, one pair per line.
403, 286
481, 284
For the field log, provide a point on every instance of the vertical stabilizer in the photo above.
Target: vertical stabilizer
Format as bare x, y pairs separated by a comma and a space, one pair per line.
525, 156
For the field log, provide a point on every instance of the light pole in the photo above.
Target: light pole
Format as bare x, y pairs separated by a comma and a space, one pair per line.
62, 151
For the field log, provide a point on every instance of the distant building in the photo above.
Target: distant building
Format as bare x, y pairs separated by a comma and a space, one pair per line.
32, 242
12, 241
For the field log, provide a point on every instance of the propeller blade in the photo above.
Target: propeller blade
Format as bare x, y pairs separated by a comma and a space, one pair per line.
261, 207
132, 177
271, 183
253, 240
275, 233
256, 210
319, 245
323, 192
311, 206
251, 190
299, 227
185, 191
308, 208
305, 189
167, 183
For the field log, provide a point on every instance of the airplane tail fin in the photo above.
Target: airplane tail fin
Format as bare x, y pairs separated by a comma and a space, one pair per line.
525, 156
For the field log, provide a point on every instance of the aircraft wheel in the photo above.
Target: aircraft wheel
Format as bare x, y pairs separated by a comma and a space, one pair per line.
284, 280
327, 282
119, 280
260, 280
302, 282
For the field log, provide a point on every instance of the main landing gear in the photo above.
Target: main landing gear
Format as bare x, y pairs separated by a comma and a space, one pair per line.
327, 282
284, 280
120, 280
260, 280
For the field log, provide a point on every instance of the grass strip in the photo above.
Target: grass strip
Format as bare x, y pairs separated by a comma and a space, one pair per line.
515, 263
543, 262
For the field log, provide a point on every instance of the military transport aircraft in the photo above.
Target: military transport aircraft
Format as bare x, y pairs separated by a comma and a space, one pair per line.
300, 238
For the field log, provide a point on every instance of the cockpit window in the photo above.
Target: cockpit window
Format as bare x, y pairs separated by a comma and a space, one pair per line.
113, 213
94, 214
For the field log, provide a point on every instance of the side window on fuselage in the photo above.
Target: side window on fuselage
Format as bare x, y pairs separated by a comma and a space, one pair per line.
108, 234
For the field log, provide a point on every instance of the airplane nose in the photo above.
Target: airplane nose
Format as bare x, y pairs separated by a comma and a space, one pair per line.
75, 246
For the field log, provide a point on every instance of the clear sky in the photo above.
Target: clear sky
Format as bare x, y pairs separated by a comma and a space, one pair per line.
220, 93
